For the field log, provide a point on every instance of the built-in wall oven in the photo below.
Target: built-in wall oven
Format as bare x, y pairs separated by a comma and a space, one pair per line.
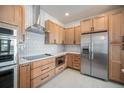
8, 77
8, 47
8, 57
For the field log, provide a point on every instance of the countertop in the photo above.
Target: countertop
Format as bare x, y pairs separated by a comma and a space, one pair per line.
23, 61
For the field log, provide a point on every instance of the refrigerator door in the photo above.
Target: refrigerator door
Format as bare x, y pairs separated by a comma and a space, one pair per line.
99, 57
85, 54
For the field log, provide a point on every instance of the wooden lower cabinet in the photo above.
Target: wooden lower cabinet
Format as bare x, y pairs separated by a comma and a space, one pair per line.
60, 68
41, 70
42, 78
24, 76
73, 61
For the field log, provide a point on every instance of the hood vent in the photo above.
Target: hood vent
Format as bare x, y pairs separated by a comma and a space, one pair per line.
36, 27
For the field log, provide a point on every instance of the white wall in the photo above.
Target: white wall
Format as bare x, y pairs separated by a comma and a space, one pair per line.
35, 43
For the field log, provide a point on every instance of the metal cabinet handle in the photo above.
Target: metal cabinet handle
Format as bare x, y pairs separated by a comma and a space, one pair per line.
45, 69
45, 77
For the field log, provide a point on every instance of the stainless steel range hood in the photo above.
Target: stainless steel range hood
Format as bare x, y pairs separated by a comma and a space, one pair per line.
36, 27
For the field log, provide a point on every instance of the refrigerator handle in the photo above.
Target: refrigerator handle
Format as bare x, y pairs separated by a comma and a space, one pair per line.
89, 51
92, 53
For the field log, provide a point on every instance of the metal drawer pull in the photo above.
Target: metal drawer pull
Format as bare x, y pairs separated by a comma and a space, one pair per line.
60, 68
45, 69
45, 77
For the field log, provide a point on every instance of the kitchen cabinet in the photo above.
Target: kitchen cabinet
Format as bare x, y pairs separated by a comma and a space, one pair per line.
100, 23
51, 28
73, 61
77, 34
69, 59
86, 25
42, 71
60, 68
42, 79
24, 76
115, 48
95, 24
55, 33
115, 27
8, 14
61, 35
76, 61
69, 35
13, 15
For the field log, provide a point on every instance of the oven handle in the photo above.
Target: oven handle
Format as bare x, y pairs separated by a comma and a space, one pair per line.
7, 68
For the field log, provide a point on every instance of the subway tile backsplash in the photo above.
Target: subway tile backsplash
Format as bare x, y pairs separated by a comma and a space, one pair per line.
35, 45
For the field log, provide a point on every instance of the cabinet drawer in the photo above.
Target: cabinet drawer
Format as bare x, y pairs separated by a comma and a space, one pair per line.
41, 70
76, 66
42, 79
41, 62
60, 68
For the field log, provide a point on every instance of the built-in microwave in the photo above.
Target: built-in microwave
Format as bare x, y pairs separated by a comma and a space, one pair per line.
8, 47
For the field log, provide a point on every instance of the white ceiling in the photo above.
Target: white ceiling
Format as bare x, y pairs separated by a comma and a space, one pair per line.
76, 11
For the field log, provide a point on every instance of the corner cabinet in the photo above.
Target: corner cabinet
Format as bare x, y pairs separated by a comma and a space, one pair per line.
24, 76
69, 35
116, 27
77, 34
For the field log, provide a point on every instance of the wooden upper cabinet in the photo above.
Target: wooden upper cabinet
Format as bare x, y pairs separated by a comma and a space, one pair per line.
51, 28
77, 34
115, 27
122, 23
100, 23
69, 35
8, 14
61, 35
86, 25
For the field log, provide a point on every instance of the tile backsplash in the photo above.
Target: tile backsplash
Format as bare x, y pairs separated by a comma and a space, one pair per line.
72, 48
35, 45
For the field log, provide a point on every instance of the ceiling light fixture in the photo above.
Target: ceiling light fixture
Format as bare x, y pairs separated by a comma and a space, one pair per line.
66, 14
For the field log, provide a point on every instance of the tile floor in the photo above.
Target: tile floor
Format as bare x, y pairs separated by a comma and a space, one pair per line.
73, 79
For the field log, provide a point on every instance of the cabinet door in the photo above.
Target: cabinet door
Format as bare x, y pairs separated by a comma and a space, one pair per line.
51, 27
8, 14
115, 27
122, 23
114, 62
56, 34
69, 36
100, 23
61, 35
77, 34
69, 60
86, 26
25, 76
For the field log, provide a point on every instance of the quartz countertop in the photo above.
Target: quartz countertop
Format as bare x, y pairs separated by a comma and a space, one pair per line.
22, 60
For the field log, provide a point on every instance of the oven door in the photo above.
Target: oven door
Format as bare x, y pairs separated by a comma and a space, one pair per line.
8, 51
8, 77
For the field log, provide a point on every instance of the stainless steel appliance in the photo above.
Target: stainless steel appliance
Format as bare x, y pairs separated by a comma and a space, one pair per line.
8, 46
94, 54
8, 77
60, 60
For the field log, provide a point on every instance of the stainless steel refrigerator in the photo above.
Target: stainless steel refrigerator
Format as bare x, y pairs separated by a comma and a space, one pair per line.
94, 54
